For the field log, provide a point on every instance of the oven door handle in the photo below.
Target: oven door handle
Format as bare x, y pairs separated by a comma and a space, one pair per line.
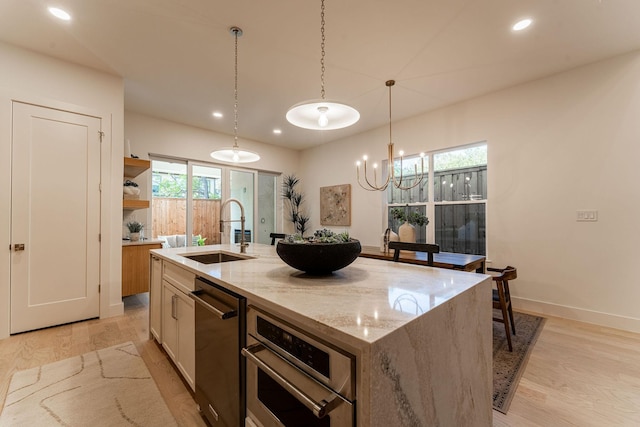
320, 410
224, 314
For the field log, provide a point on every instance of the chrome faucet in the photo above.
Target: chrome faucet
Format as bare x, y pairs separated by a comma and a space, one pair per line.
243, 244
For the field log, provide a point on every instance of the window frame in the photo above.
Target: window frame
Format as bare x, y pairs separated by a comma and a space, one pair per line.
430, 204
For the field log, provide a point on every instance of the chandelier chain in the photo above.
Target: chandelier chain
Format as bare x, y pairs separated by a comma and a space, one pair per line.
389, 84
322, 49
391, 178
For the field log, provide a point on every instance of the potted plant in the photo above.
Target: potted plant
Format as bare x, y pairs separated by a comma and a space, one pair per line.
294, 200
410, 218
320, 254
135, 228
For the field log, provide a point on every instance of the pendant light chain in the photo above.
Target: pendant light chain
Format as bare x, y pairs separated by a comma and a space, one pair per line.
319, 113
322, 49
234, 154
235, 94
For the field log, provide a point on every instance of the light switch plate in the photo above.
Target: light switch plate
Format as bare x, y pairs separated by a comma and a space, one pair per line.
587, 215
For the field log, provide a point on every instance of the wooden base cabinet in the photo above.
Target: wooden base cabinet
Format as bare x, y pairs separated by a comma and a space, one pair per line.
135, 268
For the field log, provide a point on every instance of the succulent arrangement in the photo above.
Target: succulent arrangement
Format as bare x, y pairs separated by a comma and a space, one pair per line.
320, 236
328, 236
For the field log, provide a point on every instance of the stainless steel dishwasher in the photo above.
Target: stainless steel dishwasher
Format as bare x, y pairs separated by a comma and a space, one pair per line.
220, 369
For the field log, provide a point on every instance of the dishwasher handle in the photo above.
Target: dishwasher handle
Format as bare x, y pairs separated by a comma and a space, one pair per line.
208, 302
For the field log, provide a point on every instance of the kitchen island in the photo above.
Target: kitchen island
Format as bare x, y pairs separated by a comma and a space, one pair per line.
421, 336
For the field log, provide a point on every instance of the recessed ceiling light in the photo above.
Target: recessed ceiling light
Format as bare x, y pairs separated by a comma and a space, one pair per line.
277, 131
522, 24
59, 13
217, 114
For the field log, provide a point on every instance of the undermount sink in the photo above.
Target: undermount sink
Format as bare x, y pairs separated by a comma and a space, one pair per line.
214, 257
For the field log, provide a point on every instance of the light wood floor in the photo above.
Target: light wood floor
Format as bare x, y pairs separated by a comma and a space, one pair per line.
577, 375
36, 348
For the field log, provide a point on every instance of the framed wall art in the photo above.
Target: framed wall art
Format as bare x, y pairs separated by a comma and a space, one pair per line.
335, 205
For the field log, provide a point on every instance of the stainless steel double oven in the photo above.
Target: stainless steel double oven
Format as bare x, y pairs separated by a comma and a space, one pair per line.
295, 379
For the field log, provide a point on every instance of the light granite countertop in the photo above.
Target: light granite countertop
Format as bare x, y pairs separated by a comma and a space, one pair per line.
360, 303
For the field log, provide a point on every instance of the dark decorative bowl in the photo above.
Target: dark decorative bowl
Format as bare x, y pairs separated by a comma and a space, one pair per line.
319, 258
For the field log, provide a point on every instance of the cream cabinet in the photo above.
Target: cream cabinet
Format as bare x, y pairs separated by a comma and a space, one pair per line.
155, 298
176, 330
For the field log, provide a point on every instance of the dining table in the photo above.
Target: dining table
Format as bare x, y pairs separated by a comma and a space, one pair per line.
450, 260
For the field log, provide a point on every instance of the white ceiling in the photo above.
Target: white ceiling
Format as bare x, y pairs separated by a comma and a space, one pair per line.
177, 56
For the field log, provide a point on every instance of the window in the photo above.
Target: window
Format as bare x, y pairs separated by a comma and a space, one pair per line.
456, 206
169, 202
187, 198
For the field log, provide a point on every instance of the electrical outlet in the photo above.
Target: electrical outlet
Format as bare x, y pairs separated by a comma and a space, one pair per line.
587, 215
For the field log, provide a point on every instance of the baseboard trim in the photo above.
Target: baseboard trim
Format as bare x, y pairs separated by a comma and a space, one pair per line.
580, 314
114, 310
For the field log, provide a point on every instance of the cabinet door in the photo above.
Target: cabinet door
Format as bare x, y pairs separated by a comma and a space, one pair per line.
135, 268
170, 319
186, 339
155, 299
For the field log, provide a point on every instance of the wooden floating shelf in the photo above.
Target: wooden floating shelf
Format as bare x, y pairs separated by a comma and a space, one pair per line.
134, 167
130, 205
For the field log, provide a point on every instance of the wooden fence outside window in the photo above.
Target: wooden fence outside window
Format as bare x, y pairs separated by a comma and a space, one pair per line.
170, 218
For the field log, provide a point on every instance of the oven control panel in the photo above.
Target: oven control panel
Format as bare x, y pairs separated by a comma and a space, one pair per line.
297, 347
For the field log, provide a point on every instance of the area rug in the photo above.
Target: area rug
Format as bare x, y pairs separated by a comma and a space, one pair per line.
509, 366
109, 387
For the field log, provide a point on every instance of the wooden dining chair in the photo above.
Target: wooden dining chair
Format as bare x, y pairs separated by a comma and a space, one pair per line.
428, 248
502, 298
275, 236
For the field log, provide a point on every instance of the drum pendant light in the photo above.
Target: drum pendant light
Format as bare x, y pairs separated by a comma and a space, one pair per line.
235, 154
322, 114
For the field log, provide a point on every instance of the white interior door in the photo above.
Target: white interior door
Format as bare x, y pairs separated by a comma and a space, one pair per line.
55, 214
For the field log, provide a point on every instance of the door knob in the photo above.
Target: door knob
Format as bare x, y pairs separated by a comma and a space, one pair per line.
18, 247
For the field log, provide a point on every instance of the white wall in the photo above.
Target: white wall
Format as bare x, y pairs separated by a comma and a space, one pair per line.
156, 136
555, 145
30, 77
